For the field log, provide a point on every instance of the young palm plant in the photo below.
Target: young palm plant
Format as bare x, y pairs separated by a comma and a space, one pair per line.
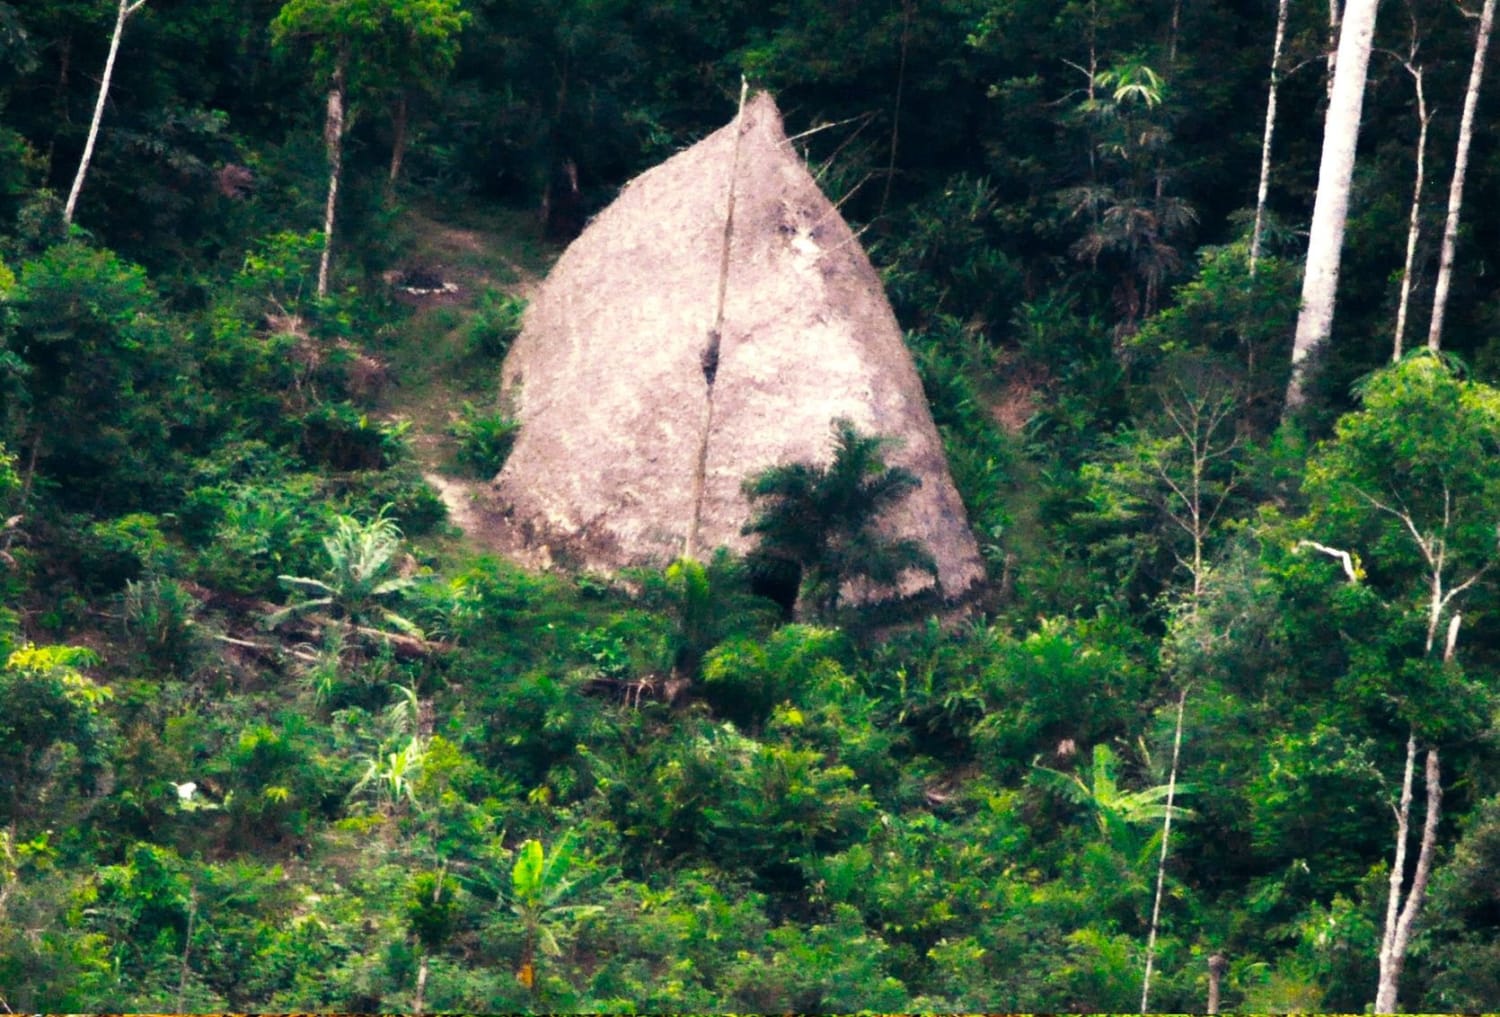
821, 519
360, 579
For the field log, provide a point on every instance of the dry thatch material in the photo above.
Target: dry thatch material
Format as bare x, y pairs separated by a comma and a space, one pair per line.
713, 321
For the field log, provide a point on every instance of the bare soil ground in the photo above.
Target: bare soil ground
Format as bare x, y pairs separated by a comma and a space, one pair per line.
434, 367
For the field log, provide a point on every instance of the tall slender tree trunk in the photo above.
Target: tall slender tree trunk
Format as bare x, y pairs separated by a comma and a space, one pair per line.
890, 167
184, 967
1456, 187
60, 100
1262, 191
1320, 279
419, 1002
1161, 864
1414, 228
333, 139
398, 143
126, 9
1173, 31
1334, 37
1399, 917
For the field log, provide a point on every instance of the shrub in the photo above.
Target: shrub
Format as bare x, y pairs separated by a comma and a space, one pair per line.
484, 439
495, 324
404, 495
339, 436
160, 619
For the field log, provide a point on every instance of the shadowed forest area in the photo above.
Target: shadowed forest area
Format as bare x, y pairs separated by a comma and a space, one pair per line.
1219, 728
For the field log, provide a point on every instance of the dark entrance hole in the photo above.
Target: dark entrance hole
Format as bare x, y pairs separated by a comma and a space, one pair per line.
777, 580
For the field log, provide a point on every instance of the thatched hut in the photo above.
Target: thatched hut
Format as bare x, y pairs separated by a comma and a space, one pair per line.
712, 321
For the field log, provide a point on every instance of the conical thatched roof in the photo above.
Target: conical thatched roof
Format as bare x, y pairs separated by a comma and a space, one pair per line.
636, 435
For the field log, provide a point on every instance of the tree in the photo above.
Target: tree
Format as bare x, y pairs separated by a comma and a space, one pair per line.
369, 40
422, 49
50, 728
1413, 478
1414, 226
1161, 862
821, 520
125, 10
1400, 916
1263, 189
109, 389
1131, 219
1184, 470
1320, 278
1456, 186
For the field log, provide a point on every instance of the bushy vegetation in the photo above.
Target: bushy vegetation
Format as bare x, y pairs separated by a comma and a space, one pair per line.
274, 737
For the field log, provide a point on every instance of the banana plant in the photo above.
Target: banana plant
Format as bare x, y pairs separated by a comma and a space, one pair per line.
540, 884
1116, 811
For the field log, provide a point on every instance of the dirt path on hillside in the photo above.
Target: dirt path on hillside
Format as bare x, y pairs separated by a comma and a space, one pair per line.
461, 497
438, 375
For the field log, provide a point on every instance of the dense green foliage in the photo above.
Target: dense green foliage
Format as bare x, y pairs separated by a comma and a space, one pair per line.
277, 737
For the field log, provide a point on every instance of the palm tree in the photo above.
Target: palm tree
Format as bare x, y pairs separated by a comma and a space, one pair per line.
821, 520
1133, 224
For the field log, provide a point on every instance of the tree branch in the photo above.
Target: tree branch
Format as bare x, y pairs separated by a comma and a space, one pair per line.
1350, 570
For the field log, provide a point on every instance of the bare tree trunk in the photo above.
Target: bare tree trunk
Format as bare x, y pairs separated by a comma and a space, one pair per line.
333, 140
417, 1001
1161, 865
1333, 46
1264, 189
1456, 187
398, 144
890, 168
1398, 925
187, 947
126, 9
1414, 228
1320, 279
1398, 871
1218, 964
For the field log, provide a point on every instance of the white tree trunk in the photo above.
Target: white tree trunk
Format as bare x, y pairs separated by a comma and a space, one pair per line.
1456, 188
1398, 926
1161, 864
1398, 870
418, 1002
1414, 228
333, 139
126, 9
1263, 190
1320, 279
